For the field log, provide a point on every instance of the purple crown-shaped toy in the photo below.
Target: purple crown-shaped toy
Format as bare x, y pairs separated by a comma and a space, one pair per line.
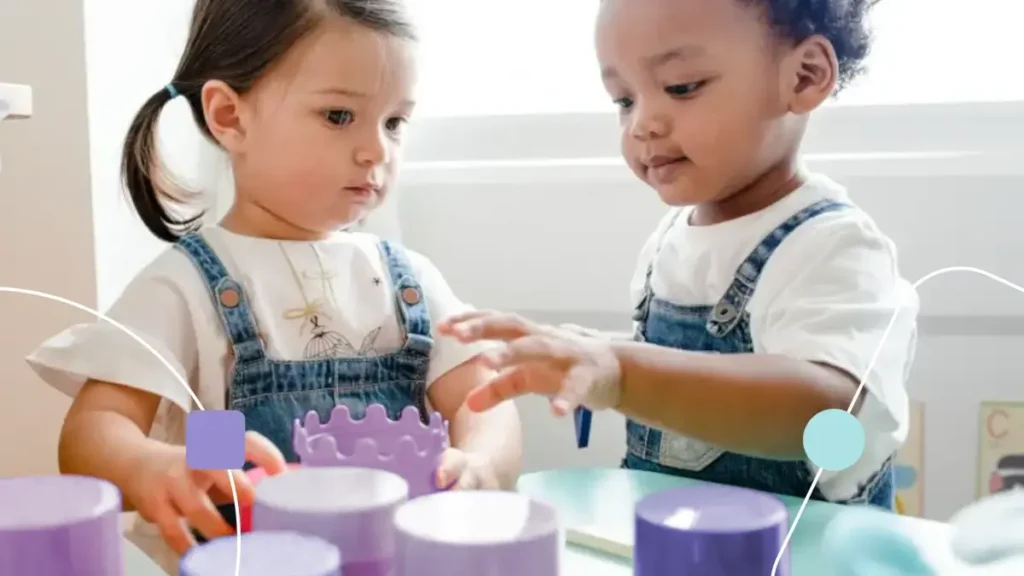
407, 447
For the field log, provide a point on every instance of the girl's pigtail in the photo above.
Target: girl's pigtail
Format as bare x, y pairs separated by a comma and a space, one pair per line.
148, 184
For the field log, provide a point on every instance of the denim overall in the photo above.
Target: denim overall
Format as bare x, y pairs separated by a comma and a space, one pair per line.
725, 329
273, 393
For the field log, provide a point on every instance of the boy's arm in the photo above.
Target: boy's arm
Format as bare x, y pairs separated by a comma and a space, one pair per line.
769, 399
494, 436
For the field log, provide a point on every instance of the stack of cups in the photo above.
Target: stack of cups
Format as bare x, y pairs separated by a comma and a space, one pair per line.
351, 508
60, 526
481, 533
712, 531
263, 554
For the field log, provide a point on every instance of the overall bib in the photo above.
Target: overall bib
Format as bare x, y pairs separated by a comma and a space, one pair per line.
273, 393
725, 329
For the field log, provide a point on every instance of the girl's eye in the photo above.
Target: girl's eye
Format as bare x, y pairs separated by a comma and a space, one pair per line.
395, 124
683, 90
339, 117
624, 104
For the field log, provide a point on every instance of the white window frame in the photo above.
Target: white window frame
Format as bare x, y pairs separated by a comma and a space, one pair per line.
897, 140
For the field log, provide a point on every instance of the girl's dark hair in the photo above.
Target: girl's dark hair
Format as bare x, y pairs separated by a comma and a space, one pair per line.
843, 22
234, 41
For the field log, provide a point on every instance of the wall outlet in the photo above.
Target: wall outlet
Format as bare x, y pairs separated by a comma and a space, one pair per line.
17, 99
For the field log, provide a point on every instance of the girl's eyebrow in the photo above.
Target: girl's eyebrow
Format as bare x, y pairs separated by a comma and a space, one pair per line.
339, 91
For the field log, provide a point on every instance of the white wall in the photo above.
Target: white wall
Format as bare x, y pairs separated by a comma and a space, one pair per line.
132, 49
556, 239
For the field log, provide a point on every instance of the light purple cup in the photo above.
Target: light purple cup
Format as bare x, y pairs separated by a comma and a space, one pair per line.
710, 530
352, 508
263, 554
60, 526
483, 533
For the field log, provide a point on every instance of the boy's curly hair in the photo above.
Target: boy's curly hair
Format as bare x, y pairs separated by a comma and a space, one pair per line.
843, 22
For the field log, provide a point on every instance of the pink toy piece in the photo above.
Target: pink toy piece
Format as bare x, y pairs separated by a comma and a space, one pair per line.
352, 508
407, 447
710, 530
263, 554
488, 533
60, 526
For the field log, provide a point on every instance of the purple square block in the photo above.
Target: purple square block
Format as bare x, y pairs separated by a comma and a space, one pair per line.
215, 440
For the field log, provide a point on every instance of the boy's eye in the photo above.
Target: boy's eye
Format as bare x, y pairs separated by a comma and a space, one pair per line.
684, 89
624, 103
339, 117
394, 124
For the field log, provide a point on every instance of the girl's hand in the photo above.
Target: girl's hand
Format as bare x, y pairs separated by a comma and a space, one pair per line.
167, 493
571, 368
466, 471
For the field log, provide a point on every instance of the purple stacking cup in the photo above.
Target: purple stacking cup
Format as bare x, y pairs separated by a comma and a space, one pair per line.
483, 533
352, 508
710, 530
60, 526
263, 554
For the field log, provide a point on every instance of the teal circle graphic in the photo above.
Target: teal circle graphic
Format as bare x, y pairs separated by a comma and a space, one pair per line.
834, 440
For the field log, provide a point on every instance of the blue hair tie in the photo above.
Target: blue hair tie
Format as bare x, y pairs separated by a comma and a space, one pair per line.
172, 91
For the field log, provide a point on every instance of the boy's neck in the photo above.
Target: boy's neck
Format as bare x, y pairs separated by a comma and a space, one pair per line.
773, 185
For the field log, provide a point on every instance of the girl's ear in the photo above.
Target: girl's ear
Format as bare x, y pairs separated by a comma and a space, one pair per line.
811, 74
224, 114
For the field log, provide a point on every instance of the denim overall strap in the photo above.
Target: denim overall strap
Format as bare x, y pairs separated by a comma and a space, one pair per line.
728, 311
409, 300
228, 297
644, 306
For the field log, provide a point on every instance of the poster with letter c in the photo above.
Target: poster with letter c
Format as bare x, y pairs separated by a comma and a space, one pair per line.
1001, 449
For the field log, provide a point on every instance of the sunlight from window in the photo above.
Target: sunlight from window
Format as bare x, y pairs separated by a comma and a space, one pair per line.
485, 57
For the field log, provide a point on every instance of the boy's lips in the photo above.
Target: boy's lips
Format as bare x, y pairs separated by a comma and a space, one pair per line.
664, 169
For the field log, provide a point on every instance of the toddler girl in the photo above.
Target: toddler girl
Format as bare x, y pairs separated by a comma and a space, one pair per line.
276, 311
765, 295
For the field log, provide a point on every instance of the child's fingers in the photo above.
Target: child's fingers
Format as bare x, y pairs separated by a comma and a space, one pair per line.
446, 325
199, 511
262, 452
173, 529
574, 390
453, 465
508, 384
243, 486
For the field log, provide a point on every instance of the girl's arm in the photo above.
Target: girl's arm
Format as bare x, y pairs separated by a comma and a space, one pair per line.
105, 434
494, 436
768, 399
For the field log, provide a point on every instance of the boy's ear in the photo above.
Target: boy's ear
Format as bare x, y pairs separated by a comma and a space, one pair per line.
812, 73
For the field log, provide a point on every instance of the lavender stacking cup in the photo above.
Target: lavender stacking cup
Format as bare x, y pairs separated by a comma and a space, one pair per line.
60, 526
263, 554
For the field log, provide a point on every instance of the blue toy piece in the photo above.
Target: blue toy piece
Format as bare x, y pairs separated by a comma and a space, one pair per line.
581, 417
862, 542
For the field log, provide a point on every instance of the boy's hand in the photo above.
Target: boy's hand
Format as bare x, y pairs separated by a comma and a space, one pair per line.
466, 471
167, 493
570, 368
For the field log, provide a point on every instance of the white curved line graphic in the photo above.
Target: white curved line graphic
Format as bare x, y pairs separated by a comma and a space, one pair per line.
121, 327
871, 365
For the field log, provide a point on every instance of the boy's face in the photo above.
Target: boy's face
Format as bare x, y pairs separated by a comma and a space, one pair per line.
703, 94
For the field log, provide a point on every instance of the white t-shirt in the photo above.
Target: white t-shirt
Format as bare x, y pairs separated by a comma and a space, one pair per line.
343, 282
827, 295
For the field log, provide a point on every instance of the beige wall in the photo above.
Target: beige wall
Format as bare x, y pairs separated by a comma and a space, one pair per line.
46, 240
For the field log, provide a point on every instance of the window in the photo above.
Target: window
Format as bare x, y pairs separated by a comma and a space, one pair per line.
490, 57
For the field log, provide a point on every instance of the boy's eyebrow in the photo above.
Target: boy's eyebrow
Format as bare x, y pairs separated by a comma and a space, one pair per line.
685, 52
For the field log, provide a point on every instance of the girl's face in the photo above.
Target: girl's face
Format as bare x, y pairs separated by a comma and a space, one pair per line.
315, 144
700, 93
